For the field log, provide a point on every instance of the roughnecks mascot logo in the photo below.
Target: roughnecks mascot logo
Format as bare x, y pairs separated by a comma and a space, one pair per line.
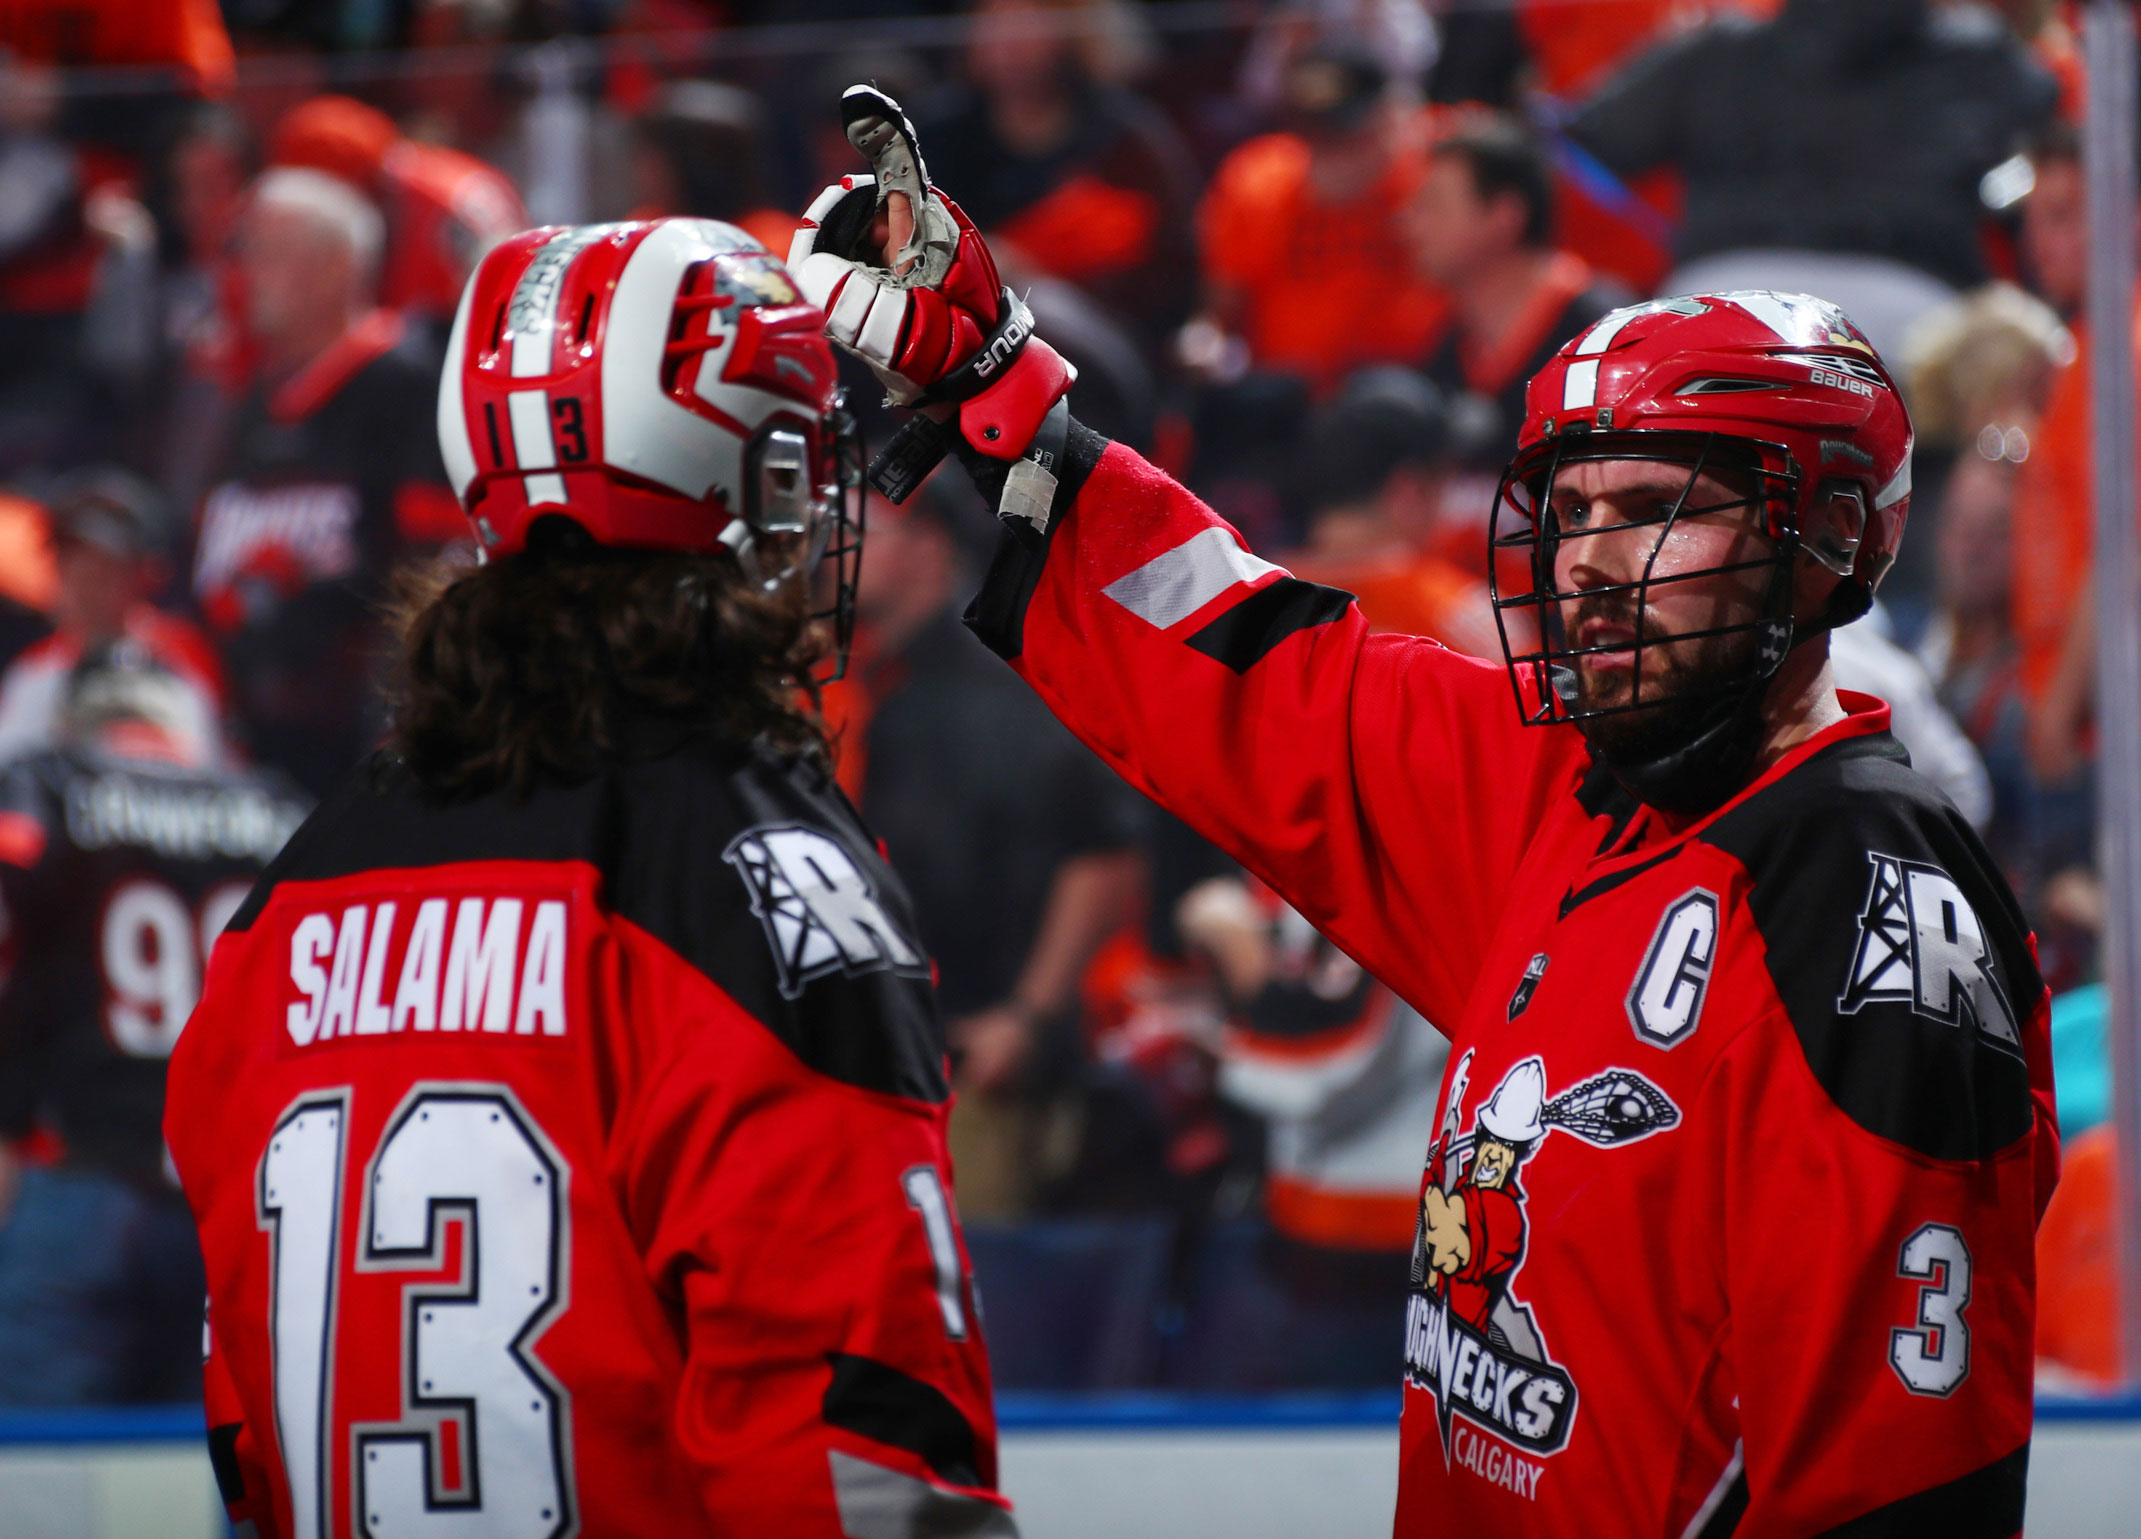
1469, 1341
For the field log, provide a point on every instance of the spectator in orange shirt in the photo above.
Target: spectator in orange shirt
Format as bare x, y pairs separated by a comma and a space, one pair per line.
2078, 1267
1072, 174
187, 36
329, 478
1304, 252
1481, 226
2055, 222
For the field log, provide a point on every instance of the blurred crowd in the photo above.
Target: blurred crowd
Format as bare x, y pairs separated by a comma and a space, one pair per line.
1305, 255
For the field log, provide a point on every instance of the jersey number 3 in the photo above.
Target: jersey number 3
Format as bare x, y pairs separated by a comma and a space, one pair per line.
451, 1153
1933, 1356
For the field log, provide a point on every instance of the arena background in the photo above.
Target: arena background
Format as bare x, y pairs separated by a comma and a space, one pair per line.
1229, 214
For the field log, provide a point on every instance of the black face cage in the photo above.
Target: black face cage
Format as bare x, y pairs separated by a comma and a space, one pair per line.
805, 521
1534, 631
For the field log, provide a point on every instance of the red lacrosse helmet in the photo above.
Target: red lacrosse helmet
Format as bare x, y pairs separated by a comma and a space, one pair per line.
663, 385
1780, 389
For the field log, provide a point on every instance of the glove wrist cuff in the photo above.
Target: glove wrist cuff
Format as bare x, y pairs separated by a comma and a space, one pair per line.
1001, 420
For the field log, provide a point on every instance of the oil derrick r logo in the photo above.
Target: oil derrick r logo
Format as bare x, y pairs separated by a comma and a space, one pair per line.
1920, 944
1469, 1341
820, 912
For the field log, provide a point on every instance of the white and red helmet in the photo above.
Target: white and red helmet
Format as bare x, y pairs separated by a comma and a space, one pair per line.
662, 384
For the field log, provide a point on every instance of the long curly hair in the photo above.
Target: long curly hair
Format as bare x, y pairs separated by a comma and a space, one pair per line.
528, 668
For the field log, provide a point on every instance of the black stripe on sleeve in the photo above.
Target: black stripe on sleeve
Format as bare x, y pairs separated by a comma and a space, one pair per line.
1984, 1504
1575, 898
1245, 634
877, 1401
998, 613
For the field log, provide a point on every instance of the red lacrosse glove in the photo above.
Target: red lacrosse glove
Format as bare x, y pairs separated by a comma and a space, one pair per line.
936, 325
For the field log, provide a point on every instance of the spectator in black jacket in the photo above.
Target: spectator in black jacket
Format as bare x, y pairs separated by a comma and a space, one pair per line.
1840, 126
329, 479
1019, 846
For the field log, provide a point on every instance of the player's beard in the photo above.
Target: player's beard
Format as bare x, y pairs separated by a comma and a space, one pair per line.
1681, 681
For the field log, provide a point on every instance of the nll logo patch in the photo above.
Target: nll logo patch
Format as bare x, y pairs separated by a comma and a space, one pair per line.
1920, 944
820, 912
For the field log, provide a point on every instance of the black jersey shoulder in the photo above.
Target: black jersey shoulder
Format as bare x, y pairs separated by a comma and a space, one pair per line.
1896, 946
754, 870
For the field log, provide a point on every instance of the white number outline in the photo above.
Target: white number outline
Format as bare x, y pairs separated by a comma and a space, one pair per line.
926, 1195
422, 1414
308, 1518
1944, 1296
310, 1478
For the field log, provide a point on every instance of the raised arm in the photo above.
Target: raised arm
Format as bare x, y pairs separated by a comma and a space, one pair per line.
1383, 786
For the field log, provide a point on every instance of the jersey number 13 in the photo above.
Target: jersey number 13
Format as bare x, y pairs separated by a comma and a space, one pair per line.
451, 1152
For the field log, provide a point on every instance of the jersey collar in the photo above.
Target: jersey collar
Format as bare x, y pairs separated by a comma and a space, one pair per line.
1651, 831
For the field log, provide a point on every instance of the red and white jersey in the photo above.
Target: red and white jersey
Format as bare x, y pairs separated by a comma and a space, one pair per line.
1727, 1224
575, 1165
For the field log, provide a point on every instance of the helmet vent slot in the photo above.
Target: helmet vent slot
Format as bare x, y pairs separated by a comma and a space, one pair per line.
1718, 384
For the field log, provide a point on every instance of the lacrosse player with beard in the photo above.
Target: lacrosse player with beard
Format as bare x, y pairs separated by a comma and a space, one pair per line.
1776, 993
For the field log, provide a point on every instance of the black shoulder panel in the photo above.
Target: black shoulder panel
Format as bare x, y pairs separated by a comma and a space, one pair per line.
1896, 947
998, 612
754, 871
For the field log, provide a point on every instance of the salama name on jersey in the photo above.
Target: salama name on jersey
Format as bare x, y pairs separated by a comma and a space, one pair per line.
442, 965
